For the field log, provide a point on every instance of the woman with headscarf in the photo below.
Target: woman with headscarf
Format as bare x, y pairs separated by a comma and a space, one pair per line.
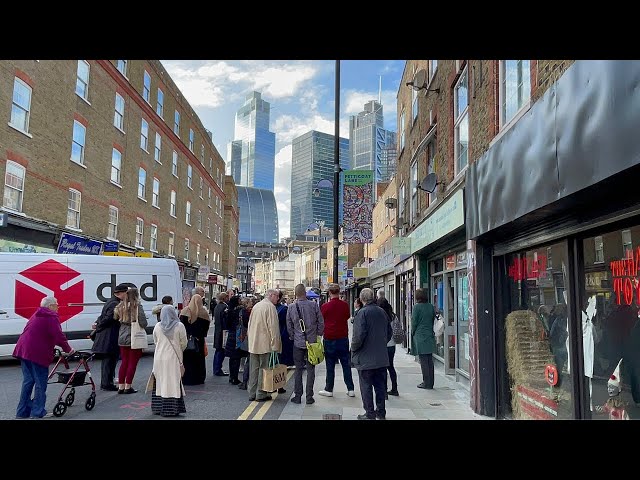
129, 310
170, 338
196, 321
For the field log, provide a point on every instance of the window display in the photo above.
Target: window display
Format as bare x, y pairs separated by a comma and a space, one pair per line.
537, 338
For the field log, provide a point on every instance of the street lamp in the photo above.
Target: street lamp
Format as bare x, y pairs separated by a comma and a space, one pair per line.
312, 226
336, 172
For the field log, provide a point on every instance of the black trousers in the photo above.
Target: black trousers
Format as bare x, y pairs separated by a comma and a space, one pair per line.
370, 381
108, 369
426, 365
391, 351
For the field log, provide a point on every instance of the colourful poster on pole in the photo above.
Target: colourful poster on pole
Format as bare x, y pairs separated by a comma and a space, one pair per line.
358, 206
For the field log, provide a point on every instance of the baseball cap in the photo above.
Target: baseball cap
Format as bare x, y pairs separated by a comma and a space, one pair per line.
121, 288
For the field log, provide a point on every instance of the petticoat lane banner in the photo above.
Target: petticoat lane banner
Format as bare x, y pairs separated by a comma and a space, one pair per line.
358, 206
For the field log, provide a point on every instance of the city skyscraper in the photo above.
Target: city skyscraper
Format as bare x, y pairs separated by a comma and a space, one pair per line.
252, 153
388, 158
369, 142
312, 161
258, 215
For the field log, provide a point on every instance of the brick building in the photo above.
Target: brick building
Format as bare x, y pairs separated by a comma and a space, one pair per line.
231, 228
108, 150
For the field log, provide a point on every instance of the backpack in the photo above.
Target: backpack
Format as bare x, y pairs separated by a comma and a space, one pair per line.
398, 330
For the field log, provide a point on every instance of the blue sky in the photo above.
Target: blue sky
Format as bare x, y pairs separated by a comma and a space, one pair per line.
301, 94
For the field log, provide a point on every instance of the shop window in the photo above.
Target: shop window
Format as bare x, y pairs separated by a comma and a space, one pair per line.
610, 324
536, 334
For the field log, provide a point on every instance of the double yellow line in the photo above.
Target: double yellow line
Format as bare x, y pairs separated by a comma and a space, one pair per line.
264, 408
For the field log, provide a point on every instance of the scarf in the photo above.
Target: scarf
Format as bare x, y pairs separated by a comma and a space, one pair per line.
195, 309
168, 319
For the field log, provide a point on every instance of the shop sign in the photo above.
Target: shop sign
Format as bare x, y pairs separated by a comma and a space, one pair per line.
350, 273
4, 219
528, 268
381, 264
78, 245
448, 217
144, 254
401, 245
203, 273
625, 281
450, 261
119, 253
110, 247
596, 280
462, 259
17, 247
212, 279
404, 266
360, 272
190, 274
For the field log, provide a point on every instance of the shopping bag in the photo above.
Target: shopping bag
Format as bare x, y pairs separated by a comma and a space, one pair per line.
275, 376
151, 383
138, 336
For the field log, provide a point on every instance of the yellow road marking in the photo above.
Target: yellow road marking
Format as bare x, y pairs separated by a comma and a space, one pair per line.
263, 410
248, 410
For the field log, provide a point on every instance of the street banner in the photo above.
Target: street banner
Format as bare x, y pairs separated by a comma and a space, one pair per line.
358, 206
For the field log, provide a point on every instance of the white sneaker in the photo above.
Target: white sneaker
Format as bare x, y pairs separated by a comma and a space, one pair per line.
324, 393
351, 393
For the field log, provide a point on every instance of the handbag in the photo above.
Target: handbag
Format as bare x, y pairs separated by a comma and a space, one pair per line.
315, 351
438, 325
398, 330
192, 344
275, 376
138, 336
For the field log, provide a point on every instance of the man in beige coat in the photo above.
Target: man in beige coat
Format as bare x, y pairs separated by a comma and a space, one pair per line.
263, 338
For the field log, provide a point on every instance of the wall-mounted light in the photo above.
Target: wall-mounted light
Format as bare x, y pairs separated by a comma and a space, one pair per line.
419, 82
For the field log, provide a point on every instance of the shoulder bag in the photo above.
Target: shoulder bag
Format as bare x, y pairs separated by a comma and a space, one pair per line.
438, 325
315, 351
178, 356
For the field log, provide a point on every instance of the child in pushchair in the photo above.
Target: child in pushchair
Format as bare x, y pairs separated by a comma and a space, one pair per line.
75, 378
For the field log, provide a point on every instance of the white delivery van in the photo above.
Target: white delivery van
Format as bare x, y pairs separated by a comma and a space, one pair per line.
81, 284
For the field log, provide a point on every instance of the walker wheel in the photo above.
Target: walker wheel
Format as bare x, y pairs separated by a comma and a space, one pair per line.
91, 402
60, 409
71, 397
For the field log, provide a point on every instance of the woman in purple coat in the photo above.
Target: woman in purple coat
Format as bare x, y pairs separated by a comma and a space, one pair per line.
35, 349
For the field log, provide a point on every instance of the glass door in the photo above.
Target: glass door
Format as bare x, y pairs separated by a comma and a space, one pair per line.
437, 299
462, 305
450, 324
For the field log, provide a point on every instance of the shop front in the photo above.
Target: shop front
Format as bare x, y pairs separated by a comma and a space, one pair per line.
558, 257
405, 275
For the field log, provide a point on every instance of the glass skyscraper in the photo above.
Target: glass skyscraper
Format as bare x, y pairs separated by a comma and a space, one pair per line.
369, 142
258, 215
252, 153
312, 161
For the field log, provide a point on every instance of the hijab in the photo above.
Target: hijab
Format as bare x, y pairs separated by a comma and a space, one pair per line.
168, 319
195, 309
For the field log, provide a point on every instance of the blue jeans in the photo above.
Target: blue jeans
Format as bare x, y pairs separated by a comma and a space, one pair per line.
335, 350
33, 375
218, 358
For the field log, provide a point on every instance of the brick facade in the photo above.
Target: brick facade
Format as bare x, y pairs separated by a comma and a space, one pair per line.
231, 228
50, 172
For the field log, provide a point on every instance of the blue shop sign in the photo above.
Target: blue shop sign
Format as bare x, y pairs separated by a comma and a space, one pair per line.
110, 246
79, 245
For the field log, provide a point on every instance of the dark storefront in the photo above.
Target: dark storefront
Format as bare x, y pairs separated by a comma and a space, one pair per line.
555, 215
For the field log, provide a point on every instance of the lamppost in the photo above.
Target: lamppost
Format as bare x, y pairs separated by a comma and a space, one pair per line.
312, 226
336, 172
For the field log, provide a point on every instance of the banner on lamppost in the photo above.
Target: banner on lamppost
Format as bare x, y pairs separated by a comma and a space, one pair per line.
358, 206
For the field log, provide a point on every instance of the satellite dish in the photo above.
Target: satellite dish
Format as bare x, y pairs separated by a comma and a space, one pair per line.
429, 183
420, 79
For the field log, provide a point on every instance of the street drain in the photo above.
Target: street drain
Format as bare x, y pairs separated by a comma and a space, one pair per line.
332, 416
435, 404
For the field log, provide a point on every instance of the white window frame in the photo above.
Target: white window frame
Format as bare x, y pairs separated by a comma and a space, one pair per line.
191, 139
414, 101
174, 164
202, 153
73, 141
187, 217
209, 203
206, 257
8, 186
172, 203
118, 116
402, 129
112, 230
146, 87
117, 169
431, 168
186, 248
197, 253
208, 227
200, 220
160, 103
190, 176
121, 65
155, 195
526, 96
413, 185
201, 188
157, 151
459, 119
153, 243
144, 135
172, 244
82, 81
27, 111
176, 123
142, 187
76, 212
139, 232
433, 67
401, 198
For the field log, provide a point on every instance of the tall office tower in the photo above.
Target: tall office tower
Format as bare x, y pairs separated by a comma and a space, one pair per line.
252, 153
312, 161
388, 156
258, 215
368, 139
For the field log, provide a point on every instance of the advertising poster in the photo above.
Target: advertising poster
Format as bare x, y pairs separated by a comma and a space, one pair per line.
358, 206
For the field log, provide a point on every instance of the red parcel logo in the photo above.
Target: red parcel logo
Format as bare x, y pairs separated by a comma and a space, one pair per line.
51, 275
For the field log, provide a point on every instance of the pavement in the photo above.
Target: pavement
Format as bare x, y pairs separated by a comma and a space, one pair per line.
449, 400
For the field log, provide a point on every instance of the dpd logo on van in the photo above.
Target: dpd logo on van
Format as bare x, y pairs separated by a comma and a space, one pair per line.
51, 275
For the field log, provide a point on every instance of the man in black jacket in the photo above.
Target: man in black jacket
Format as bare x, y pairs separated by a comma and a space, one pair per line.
106, 339
371, 332
219, 317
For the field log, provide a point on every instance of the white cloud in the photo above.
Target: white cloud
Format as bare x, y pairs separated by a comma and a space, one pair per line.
282, 189
282, 81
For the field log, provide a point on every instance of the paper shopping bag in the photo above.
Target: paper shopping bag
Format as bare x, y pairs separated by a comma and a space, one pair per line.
274, 378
